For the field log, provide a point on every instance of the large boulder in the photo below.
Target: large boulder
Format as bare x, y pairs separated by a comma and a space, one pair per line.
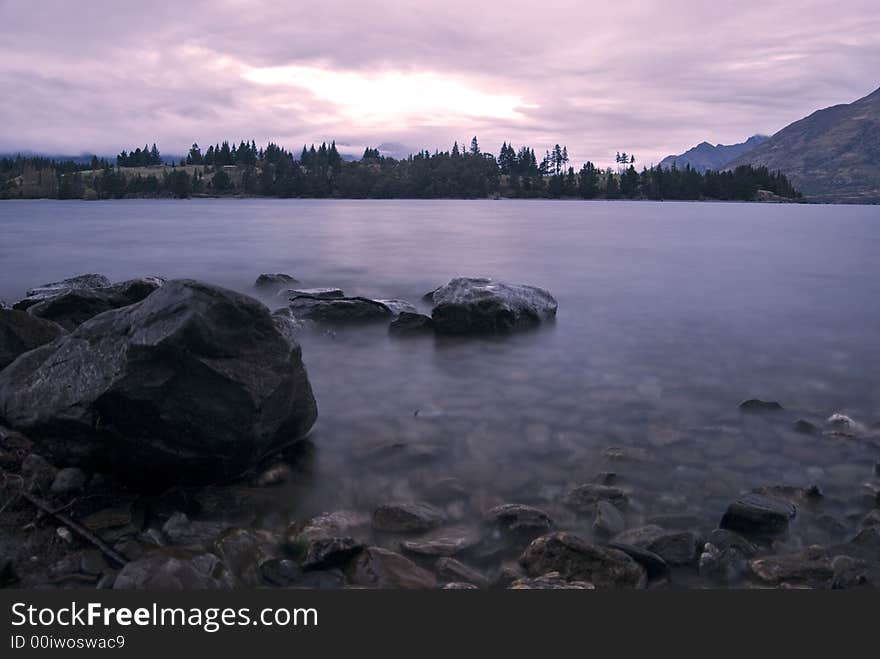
76, 305
468, 305
20, 332
339, 309
193, 383
47, 291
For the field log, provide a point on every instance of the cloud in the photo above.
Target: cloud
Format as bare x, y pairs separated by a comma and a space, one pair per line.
650, 78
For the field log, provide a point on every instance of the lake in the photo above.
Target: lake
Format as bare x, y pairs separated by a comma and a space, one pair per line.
670, 314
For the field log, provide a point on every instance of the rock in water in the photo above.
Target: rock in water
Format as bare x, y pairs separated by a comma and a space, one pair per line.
758, 515
291, 293
576, 560
756, 405
469, 305
20, 332
76, 305
47, 291
339, 310
193, 383
269, 283
399, 306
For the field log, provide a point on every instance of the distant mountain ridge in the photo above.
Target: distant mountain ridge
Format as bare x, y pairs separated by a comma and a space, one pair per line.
705, 156
832, 155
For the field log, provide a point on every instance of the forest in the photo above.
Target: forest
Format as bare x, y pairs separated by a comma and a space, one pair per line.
228, 169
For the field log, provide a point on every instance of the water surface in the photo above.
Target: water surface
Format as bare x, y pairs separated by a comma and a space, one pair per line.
669, 315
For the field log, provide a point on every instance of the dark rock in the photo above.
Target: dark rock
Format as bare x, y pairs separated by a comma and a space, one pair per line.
871, 519
182, 531
242, 553
675, 548
174, 570
576, 560
339, 310
327, 540
458, 585
609, 521
724, 539
481, 306
194, 383
758, 515
38, 472
877, 468
811, 566
848, 572
805, 427
269, 283
550, 581
518, 523
756, 405
654, 565
289, 325
411, 323
323, 293
450, 569
585, 497
280, 572
14, 448
20, 332
275, 474
407, 517
76, 305
68, 481
47, 291
376, 567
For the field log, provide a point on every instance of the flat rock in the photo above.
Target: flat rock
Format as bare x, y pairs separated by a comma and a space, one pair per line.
758, 515
398, 307
195, 382
518, 522
468, 305
441, 545
450, 569
323, 293
576, 560
654, 565
407, 517
21, 332
376, 567
339, 310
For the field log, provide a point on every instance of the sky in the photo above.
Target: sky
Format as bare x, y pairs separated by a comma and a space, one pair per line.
648, 78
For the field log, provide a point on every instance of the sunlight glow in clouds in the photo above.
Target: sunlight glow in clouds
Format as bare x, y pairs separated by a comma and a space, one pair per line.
423, 98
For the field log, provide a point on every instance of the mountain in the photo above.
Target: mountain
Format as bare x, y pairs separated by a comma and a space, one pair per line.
705, 156
831, 155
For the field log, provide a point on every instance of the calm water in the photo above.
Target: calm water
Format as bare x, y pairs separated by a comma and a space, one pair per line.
669, 315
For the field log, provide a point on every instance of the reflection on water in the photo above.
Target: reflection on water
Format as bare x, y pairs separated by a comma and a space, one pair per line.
669, 315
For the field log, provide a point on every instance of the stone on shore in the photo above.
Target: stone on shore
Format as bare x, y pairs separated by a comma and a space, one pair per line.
468, 305
518, 523
407, 517
271, 283
577, 560
327, 540
174, 570
195, 382
21, 332
585, 497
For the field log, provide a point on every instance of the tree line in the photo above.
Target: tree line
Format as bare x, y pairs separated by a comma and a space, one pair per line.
320, 171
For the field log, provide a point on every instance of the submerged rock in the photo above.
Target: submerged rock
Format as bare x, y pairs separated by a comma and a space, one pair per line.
21, 332
805, 427
53, 289
339, 310
758, 515
193, 383
757, 405
73, 307
468, 305
411, 323
608, 521
576, 560
585, 497
518, 523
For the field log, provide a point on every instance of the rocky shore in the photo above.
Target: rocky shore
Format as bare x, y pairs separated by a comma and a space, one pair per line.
147, 426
